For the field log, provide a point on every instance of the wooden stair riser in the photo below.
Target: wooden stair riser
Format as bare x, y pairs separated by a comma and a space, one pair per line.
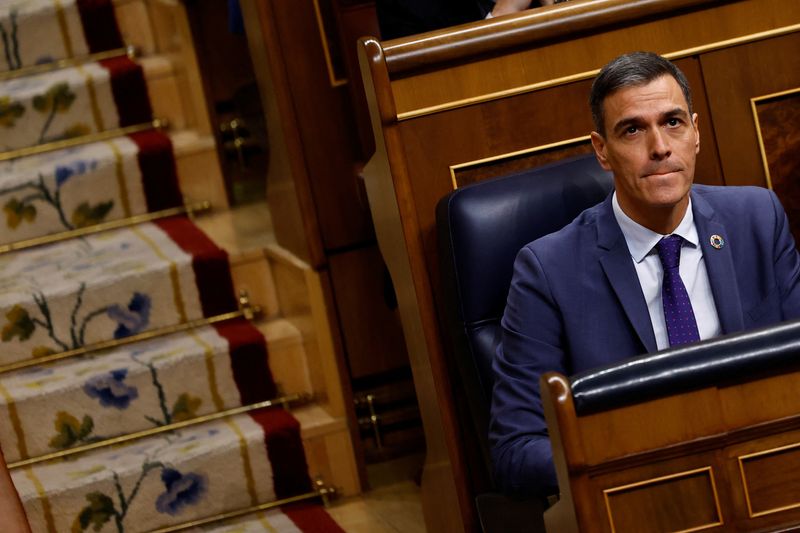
136, 26
198, 168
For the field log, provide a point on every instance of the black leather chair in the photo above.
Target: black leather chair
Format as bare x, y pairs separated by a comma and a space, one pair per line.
481, 228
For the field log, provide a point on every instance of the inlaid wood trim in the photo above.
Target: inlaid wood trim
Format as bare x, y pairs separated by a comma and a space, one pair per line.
546, 84
749, 456
624, 488
512, 155
335, 82
754, 108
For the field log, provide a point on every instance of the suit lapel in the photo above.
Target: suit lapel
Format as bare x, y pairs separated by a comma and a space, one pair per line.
720, 267
615, 259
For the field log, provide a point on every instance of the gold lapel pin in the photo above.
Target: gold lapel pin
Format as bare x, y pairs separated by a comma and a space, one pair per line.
717, 241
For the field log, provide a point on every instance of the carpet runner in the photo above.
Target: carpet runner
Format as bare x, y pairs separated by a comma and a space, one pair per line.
109, 286
133, 388
71, 102
112, 285
41, 31
86, 185
187, 475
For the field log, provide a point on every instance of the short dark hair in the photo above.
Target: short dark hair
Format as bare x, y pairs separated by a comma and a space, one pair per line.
630, 70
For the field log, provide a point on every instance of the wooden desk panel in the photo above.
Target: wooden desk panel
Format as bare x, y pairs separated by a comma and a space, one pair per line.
554, 63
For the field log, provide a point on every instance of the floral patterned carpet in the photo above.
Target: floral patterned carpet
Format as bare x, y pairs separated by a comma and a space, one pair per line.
62, 297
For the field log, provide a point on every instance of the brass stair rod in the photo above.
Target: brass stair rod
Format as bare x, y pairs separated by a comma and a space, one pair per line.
83, 139
321, 491
188, 209
284, 401
129, 51
104, 345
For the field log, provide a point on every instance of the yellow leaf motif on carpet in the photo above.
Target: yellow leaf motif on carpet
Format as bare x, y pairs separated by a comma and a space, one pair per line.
17, 211
10, 111
19, 325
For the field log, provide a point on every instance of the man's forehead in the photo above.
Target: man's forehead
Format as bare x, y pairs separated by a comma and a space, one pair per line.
660, 95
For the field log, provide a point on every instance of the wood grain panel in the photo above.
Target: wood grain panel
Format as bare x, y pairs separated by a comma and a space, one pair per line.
734, 76
525, 69
772, 479
684, 501
761, 400
633, 428
368, 313
325, 126
778, 122
504, 165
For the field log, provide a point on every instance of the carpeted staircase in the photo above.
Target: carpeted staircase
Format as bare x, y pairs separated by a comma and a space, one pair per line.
135, 392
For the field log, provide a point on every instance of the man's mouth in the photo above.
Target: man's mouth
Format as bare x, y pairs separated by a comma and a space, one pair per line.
661, 172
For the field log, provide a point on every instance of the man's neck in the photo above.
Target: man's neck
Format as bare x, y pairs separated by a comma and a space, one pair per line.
662, 220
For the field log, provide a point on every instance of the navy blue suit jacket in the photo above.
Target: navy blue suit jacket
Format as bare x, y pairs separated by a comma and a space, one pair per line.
575, 303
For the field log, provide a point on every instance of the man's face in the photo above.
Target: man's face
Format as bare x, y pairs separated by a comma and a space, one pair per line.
650, 144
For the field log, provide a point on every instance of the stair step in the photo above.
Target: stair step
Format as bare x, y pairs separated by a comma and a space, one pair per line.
87, 184
135, 25
287, 356
42, 31
108, 286
194, 473
164, 91
198, 167
133, 388
71, 102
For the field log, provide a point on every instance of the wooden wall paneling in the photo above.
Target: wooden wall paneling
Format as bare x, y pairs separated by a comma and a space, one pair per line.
778, 122
357, 18
446, 502
293, 212
324, 123
734, 76
370, 322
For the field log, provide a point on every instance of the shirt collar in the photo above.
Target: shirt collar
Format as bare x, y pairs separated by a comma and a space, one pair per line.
641, 241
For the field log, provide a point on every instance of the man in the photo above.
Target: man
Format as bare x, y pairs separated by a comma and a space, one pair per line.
659, 263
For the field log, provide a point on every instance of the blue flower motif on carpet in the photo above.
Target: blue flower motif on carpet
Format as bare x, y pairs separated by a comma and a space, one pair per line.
65, 172
182, 490
111, 389
132, 320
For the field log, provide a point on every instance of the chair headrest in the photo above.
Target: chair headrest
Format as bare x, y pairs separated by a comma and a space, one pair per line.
487, 223
718, 361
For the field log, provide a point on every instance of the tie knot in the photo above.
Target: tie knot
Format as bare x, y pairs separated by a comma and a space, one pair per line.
669, 251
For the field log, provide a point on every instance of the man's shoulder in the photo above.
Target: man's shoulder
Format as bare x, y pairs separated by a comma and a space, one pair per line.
735, 204
731, 195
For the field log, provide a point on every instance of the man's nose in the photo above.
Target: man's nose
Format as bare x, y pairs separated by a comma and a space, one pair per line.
659, 144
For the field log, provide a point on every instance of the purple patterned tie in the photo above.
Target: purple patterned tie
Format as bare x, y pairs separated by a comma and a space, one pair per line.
678, 314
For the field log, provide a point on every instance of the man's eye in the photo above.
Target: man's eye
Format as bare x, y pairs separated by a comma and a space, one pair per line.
673, 122
630, 130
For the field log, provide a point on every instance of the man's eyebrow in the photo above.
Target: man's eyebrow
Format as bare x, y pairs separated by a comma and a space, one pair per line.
635, 120
677, 112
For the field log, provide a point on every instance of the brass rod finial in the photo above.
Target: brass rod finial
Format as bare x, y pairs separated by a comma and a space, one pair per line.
325, 491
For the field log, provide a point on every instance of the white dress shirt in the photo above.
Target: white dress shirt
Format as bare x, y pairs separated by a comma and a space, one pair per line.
641, 244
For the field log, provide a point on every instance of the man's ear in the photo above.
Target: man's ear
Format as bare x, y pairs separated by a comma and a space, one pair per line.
599, 145
697, 134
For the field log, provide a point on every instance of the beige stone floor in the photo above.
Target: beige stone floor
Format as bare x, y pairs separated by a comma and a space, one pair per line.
391, 505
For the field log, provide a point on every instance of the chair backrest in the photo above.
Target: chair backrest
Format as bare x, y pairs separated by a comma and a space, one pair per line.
481, 228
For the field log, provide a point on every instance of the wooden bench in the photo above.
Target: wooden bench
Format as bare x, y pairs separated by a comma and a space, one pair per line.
486, 99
